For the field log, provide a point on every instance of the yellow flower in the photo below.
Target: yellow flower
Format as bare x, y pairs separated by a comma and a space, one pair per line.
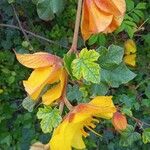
47, 71
101, 16
130, 53
70, 132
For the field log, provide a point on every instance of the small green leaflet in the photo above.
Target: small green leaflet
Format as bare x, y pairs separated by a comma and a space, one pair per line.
146, 136
86, 67
47, 9
110, 57
28, 104
50, 118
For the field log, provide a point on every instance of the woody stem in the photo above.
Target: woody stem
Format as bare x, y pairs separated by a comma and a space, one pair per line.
67, 103
77, 25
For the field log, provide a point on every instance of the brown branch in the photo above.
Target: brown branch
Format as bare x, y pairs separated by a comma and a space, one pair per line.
77, 25
20, 26
67, 103
61, 107
34, 35
139, 121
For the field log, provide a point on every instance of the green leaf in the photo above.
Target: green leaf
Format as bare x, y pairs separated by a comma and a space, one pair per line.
35, 1
99, 39
141, 6
73, 93
128, 137
93, 39
11, 1
99, 89
147, 91
86, 67
130, 5
47, 8
6, 139
68, 58
50, 118
117, 76
126, 111
146, 136
28, 104
110, 57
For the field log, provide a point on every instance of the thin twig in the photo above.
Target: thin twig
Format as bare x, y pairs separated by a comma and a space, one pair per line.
140, 27
67, 103
77, 25
139, 121
20, 26
61, 107
34, 35
141, 83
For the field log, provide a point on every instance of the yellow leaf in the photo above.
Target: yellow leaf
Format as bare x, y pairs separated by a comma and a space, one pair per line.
130, 60
130, 47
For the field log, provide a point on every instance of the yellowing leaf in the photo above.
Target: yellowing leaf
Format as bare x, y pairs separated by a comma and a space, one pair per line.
37, 60
86, 67
130, 60
130, 53
130, 47
50, 118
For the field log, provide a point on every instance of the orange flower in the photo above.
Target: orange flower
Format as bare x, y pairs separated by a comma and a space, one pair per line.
119, 121
70, 132
47, 71
101, 16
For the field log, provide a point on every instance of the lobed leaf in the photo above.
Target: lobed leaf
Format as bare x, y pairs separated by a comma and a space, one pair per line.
50, 118
86, 67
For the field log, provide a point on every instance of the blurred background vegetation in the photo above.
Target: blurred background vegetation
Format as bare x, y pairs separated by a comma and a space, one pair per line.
19, 128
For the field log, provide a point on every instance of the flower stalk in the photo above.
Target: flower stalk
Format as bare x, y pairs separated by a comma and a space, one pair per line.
77, 26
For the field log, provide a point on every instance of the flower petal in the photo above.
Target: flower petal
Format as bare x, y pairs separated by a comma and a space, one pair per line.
37, 60
62, 136
69, 133
104, 102
93, 20
101, 16
37, 80
119, 121
55, 92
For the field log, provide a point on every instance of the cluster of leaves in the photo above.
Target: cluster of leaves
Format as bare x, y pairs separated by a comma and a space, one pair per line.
133, 17
19, 128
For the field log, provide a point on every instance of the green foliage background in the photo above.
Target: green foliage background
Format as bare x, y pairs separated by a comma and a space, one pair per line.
19, 128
